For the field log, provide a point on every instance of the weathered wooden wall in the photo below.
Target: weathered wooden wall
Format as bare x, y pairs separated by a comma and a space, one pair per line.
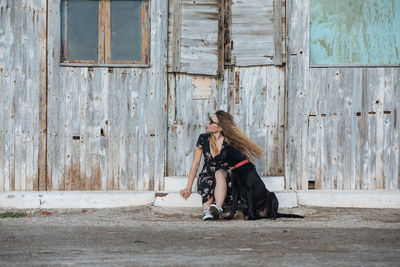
343, 123
106, 127
22, 25
125, 128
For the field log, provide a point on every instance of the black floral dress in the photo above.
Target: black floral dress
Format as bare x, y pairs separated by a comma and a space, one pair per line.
206, 180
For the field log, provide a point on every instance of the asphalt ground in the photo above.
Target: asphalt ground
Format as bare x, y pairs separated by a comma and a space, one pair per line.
154, 236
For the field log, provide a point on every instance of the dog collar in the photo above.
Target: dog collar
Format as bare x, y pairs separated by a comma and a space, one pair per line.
241, 163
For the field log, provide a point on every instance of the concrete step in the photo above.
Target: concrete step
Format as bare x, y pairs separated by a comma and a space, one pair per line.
111, 199
377, 199
177, 183
287, 199
74, 199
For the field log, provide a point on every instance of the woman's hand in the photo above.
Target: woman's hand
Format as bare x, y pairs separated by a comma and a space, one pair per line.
185, 193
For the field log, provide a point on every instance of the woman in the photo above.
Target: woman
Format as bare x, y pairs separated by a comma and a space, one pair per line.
212, 181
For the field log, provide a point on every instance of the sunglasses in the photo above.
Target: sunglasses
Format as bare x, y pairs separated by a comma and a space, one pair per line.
211, 121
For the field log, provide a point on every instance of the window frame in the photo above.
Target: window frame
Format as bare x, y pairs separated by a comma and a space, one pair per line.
104, 44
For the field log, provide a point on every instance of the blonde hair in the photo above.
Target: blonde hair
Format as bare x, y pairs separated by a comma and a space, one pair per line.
235, 137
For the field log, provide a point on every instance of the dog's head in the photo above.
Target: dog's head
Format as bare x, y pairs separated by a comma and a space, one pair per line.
230, 155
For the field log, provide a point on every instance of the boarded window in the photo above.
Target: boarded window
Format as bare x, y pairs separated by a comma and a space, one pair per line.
193, 36
105, 31
256, 32
354, 32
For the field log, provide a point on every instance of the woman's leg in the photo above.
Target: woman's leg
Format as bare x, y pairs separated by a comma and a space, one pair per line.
220, 188
207, 204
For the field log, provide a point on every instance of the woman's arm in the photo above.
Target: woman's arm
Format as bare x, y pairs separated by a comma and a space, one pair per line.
185, 193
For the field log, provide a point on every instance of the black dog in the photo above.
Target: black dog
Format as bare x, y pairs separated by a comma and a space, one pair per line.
247, 183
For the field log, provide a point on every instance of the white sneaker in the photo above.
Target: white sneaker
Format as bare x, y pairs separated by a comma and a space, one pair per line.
216, 211
207, 216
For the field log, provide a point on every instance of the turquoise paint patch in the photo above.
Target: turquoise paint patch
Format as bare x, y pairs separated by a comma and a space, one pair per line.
352, 32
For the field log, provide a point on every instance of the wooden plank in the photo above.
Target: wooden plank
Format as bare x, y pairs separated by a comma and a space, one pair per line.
171, 125
114, 134
107, 31
69, 86
284, 31
130, 106
143, 161
3, 130
110, 128
42, 156
183, 98
262, 136
230, 89
175, 15
151, 132
146, 32
221, 97
297, 103
274, 120
86, 128
281, 97
4, 102
334, 79
388, 155
364, 132
227, 31
17, 131
292, 153
380, 88
356, 130
277, 32
135, 129
101, 32
240, 107
344, 129
312, 149
30, 119
53, 82
389, 83
160, 93
12, 83
221, 38
257, 90
396, 130
123, 114
96, 124
102, 126
10, 140
305, 88
24, 109
58, 175
84, 149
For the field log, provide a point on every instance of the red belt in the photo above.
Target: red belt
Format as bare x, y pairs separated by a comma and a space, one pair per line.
240, 163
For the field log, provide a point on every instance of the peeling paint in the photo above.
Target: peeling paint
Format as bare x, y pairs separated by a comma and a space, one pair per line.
354, 32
